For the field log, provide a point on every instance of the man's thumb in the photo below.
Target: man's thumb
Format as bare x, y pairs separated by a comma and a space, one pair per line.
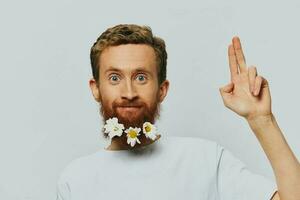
227, 88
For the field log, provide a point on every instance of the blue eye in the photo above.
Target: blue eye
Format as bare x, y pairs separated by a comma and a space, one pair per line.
141, 77
114, 78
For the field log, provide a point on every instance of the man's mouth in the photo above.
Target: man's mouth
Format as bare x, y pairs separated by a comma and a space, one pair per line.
129, 108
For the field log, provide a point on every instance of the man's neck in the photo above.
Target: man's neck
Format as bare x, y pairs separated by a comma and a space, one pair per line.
120, 143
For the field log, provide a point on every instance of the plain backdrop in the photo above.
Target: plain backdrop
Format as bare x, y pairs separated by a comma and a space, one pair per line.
48, 116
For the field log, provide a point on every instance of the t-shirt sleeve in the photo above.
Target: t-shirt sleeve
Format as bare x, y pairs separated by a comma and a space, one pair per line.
235, 181
62, 190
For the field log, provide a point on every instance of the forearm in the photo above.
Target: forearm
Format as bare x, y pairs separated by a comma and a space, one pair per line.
285, 165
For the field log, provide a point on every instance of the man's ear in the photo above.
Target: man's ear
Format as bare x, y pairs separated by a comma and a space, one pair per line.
163, 90
95, 89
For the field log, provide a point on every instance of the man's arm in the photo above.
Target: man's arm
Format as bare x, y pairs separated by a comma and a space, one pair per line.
249, 96
285, 165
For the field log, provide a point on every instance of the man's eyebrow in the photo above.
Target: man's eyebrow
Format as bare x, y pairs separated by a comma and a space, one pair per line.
139, 69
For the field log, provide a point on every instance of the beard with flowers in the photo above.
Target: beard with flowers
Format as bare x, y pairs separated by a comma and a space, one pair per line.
131, 119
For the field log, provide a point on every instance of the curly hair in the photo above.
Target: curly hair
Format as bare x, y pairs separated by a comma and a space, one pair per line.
129, 34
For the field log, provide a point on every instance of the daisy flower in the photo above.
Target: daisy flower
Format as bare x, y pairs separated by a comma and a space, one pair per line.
149, 130
113, 128
132, 136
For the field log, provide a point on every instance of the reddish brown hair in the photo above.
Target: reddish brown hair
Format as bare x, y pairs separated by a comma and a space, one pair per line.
129, 34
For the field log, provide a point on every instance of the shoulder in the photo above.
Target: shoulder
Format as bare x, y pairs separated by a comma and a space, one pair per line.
194, 142
188, 144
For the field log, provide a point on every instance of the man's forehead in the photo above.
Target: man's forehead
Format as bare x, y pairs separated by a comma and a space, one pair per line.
133, 57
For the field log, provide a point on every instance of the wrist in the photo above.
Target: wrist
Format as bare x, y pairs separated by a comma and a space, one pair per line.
261, 121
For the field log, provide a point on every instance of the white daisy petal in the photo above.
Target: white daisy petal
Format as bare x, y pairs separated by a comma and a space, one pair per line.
113, 128
133, 142
149, 130
128, 140
152, 137
132, 135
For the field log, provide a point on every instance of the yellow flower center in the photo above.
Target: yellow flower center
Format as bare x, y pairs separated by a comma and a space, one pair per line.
116, 128
148, 128
132, 134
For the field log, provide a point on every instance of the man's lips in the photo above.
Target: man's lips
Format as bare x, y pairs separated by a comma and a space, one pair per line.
129, 108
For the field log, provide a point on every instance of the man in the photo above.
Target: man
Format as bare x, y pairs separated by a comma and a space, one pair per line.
129, 82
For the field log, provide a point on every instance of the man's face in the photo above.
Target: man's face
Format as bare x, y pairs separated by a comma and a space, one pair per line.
128, 84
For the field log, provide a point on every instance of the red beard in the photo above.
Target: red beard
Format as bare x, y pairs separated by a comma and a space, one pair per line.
130, 118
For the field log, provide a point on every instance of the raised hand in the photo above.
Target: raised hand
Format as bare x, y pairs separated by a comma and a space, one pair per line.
247, 94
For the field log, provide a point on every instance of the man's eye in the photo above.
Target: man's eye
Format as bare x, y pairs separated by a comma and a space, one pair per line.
141, 77
114, 78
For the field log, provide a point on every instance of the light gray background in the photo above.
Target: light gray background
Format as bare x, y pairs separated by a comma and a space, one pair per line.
48, 116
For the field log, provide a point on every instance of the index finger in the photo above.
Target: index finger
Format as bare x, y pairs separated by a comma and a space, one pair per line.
239, 54
232, 62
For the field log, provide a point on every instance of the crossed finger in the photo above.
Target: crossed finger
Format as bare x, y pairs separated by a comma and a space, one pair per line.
237, 65
232, 62
237, 62
239, 54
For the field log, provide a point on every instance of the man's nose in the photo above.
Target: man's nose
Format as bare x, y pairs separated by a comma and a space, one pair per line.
129, 91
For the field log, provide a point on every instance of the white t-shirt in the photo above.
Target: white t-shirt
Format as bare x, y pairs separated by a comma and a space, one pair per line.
173, 167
